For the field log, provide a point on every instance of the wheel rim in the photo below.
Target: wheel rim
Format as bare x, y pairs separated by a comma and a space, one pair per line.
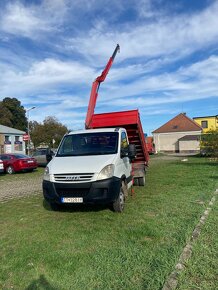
122, 199
10, 170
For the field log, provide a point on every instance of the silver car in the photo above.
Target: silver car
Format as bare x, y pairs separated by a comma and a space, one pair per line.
41, 155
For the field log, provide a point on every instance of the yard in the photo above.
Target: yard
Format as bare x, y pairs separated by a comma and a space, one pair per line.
94, 248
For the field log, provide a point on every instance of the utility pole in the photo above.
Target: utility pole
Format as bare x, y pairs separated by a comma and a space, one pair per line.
28, 129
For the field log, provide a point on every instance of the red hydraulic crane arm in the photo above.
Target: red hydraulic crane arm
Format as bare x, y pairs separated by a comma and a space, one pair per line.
95, 88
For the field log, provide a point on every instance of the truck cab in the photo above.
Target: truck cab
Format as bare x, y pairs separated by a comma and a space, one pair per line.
91, 166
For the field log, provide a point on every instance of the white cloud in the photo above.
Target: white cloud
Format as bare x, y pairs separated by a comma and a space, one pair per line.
193, 82
179, 34
33, 20
45, 75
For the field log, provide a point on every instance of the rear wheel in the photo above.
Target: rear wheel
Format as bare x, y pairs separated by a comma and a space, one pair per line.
118, 204
136, 181
142, 181
10, 170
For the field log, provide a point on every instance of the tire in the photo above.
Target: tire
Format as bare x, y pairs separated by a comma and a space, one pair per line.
118, 205
142, 181
136, 181
54, 206
10, 170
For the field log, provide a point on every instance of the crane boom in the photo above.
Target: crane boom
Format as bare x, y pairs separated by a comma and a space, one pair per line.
95, 88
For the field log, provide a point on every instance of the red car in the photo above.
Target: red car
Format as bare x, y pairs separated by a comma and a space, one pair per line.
14, 162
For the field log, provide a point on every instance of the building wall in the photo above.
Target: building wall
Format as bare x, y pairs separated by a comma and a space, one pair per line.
169, 142
12, 144
189, 146
212, 122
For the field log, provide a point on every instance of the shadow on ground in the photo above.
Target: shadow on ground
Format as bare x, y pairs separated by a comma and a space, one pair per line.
40, 283
78, 207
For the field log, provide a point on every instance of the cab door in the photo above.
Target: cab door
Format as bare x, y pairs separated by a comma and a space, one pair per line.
124, 159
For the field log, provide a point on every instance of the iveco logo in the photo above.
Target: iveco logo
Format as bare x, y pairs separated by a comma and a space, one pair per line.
72, 177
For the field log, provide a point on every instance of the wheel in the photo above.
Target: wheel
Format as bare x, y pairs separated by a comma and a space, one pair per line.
136, 181
54, 206
125, 189
10, 170
142, 181
118, 204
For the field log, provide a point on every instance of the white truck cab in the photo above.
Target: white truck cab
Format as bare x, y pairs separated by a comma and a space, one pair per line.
90, 166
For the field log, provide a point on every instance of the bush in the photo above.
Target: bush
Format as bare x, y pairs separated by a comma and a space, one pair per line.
209, 143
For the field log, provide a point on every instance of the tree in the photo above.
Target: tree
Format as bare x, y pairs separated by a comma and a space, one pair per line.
49, 133
209, 143
5, 116
16, 114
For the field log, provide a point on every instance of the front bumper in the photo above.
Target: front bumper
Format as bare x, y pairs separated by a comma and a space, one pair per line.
103, 191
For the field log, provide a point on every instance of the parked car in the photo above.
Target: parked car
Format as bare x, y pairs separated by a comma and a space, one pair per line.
18, 162
41, 155
1, 166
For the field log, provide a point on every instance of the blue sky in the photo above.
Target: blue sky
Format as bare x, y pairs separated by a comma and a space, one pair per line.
52, 50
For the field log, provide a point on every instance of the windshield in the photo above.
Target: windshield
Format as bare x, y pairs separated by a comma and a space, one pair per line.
89, 144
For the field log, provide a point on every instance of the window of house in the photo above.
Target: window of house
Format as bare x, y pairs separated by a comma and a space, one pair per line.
7, 139
204, 124
18, 144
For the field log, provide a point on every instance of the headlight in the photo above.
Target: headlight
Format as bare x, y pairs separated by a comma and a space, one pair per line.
106, 172
46, 176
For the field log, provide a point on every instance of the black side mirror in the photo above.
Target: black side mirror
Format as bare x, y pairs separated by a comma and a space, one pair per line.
124, 153
49, 155
132, 151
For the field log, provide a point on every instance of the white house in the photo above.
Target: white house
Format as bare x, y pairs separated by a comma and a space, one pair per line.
180, 134
11, 140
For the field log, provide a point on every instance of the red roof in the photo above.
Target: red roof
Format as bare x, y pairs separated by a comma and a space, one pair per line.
180, 123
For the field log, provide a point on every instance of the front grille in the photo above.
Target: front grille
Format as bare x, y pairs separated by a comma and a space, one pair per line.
72, 192
73, 177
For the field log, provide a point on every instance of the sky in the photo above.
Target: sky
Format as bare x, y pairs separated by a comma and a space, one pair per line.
52, 50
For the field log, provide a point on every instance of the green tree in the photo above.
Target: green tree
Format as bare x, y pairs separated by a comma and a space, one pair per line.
49, 133
209, 143
5, 116
17, 115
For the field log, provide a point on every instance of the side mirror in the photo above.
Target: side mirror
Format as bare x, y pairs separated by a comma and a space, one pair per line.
124, 153
49, 155
132, 151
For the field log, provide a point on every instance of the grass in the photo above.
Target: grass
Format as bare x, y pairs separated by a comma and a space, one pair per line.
201, 270
5, 177
94, 248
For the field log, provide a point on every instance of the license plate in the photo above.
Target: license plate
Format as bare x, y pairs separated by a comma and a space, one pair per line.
72, 200
30, 161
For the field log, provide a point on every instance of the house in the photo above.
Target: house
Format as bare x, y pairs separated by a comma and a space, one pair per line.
11, 140
180, 134
207, 123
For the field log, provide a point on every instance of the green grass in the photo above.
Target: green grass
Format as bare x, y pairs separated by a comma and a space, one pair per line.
4, 177
94, 248
201, 270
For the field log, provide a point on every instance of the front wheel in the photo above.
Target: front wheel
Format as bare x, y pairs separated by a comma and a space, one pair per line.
54, 206
118, 204
10, 170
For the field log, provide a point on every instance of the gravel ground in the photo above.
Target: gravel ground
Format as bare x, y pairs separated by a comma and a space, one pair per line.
20, 187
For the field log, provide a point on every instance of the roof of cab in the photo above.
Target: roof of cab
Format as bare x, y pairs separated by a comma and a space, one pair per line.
100, 130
